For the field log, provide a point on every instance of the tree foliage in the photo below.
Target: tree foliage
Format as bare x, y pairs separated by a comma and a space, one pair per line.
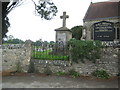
5, 20
45, 8
38, 43
12, 40
77, 32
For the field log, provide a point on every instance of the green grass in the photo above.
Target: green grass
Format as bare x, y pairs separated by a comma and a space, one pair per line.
46, 56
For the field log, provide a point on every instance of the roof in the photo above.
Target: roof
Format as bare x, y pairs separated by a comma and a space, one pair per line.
102, 10
62, 29
113, 0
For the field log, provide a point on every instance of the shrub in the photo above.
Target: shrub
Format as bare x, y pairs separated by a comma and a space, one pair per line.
101, 74
60, 73
81, 50
73, 73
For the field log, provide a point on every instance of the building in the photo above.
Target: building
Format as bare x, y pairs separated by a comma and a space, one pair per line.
102, 21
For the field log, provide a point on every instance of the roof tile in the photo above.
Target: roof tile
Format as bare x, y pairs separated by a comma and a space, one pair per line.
102, 10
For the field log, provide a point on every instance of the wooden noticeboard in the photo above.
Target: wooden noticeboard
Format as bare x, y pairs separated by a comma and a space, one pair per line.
104, 31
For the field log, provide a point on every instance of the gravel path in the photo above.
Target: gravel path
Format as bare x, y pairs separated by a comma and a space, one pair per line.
36, 81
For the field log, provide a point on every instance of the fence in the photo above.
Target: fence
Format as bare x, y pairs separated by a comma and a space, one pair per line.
54, 51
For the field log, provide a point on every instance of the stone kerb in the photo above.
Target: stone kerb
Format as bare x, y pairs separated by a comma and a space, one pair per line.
16, 57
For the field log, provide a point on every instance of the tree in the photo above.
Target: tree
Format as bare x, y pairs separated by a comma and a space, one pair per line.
52, 42
11, 40
5, 20
77, 32
10, 37
45, 8
38, 43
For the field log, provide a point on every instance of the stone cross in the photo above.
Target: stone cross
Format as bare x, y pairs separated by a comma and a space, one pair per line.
64, 18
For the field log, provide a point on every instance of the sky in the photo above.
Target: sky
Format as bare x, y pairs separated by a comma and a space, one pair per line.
26, 25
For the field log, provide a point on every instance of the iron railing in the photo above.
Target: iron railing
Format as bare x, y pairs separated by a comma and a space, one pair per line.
54, 51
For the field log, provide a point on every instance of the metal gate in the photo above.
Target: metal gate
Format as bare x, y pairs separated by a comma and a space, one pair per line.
50, 51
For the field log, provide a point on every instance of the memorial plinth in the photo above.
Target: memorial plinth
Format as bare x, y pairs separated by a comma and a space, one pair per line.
63, 34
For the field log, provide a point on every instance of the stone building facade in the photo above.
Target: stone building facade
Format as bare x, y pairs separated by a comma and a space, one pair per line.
102, 12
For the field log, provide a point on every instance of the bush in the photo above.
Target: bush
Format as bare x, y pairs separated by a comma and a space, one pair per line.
81, 50
60, 73
73, 73
101, 74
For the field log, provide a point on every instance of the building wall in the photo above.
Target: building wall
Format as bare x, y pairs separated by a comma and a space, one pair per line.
88, 25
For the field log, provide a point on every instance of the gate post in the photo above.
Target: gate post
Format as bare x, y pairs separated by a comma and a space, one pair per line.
70, 56
28, 52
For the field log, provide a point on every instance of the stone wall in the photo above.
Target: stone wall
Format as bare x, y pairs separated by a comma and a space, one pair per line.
19, 55
108, 62
52, 65
16, 56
